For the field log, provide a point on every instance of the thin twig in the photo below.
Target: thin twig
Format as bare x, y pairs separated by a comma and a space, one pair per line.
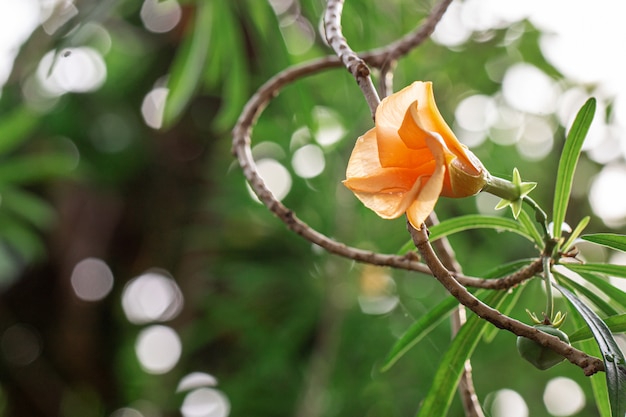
589, 364
355, 64
393, 51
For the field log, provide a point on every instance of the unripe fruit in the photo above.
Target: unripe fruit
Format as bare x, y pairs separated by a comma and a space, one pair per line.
540, 356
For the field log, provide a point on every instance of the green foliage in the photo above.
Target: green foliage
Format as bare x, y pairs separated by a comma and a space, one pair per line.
280, 325
568, 161
614, 362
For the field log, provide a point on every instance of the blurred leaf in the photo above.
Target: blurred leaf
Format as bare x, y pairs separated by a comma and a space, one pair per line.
232, 77
26, 205
598, 381
596, 299
475, 221
611, 354
418, 330
16, 127
608, 269
610, 240
444, 385
616, 323
189, 63
568, 161
26, 169
23, 240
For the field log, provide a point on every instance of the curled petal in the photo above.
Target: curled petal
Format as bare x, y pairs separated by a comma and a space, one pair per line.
428, 195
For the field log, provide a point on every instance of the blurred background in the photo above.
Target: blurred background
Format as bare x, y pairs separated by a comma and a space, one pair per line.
139, 277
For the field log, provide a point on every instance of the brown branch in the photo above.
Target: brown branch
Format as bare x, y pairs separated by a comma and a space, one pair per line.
467, 391
241, 149
243, 153
393, 51
355, 64
589, 364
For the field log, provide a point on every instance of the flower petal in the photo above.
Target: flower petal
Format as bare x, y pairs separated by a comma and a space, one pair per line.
428, 195
429, 118
389, 205
365, 173
390, 115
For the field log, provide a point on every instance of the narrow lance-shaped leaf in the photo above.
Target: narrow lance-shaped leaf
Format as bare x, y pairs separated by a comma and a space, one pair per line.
189, 64
617, 324
598, 381
611, 353
418, 330
608, 269
448, 375
610, 240
473, 221
568, 161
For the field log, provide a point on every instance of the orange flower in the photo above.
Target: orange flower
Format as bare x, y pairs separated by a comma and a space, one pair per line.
410, 158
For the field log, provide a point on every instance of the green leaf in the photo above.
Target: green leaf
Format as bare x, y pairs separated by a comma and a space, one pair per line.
444, 385
616, 323
188, 66
568, 161
610, 240
608, 269
475, 221
590, 293
531, 228
27, 206
611, 354
418, 330
575, 233
615, 294
15, 128
598, 381
32, 168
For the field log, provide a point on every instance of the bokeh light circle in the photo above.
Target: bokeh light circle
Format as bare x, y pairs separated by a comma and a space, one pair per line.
205, 402
563, 397
92, 279
158, 349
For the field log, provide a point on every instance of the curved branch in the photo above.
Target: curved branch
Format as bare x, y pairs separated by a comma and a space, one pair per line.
393, 51
589, 364
241, 149
355, 64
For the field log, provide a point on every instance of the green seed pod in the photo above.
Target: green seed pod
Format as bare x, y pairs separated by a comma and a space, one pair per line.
541, 357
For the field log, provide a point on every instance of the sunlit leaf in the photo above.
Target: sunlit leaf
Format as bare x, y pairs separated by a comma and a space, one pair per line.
611, 354
591, 294
575, 233
613, 241
474, 221
448, 375
568, 162
608, 269
615, 295
188, 66
616, 323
